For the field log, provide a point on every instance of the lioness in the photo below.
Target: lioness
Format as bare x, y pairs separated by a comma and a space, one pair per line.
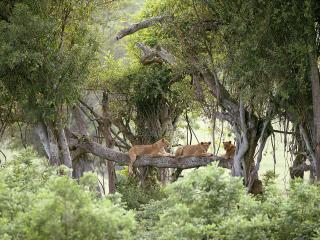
230, 150
154, 150
198, 150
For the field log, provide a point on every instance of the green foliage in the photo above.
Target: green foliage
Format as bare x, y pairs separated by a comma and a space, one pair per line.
36, 203
46, 52
133, 195
259, 47
195, 206
209, 204
269, 178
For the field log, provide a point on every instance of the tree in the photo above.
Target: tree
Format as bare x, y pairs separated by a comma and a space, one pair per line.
49, 48
237, 49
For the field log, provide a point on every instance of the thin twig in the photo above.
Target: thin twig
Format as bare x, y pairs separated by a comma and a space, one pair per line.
5, 157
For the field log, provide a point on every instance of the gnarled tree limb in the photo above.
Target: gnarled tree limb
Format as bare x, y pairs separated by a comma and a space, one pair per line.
138, 26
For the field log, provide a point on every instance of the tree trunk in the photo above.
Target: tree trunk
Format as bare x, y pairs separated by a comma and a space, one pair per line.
81, 163
249, 131
64, 146
153, 124
109, 142
244, 158
314, 77
300, 158
53, 144
41, 131
249, 157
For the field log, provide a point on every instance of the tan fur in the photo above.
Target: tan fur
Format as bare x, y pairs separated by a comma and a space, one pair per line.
230, 150
154, 150
198, 150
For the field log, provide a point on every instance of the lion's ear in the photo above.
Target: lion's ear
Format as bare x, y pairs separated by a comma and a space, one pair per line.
201, 143
230, 142
162, 139
209, 143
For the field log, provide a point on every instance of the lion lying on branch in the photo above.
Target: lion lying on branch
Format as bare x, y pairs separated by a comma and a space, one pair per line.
86, 145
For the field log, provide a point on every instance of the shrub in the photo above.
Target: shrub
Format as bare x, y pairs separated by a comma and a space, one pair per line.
36, 203
133, 194
210, 204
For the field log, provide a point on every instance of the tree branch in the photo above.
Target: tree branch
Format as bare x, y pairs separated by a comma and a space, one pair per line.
157, 55
162, 162
138, 26
94, 113
308, 145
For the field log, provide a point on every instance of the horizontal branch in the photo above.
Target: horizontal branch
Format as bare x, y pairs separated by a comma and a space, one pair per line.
138, 26
161, 162
284, 132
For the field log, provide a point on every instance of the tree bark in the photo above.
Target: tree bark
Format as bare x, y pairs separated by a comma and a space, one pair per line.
297, 171
80, 162
138, 26
41, 131
53, 144
314, 77
63, 143
253, 175
308, 144
239, 165
109, 142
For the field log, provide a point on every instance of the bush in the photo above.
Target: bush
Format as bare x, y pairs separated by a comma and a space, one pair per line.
209, 204
195, 207
36, 203
133, 195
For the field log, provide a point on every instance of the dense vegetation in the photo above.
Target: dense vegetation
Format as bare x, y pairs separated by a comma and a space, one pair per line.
80, 85
38, 203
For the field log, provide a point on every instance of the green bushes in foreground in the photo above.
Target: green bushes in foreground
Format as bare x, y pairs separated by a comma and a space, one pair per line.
209, 204
37, 203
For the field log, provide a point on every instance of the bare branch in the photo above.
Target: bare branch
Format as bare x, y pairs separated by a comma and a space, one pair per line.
284, 132
138, 26
124, 129
124, 144
94, 113
5, 157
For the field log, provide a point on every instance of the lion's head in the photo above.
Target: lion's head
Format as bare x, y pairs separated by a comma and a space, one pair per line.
163, 143
205, 145
227, 145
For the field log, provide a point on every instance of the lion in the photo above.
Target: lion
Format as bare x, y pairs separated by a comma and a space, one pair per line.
198, 150
230, 150
153, 150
